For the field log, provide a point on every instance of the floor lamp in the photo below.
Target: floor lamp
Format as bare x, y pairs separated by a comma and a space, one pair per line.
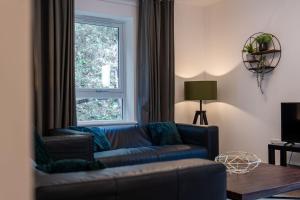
200, 90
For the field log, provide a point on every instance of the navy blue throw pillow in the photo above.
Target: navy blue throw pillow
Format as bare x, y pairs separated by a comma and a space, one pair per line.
164, 133
72, 165
101, 143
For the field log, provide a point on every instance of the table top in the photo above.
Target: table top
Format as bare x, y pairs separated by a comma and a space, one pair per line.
295, 147
265, 181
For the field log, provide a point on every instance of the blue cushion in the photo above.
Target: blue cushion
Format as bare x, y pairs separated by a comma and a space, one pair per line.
141, 155
164, 133
101, 143
127, 156
177, 152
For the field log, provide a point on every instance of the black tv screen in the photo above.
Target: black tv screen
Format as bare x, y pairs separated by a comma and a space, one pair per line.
290, 122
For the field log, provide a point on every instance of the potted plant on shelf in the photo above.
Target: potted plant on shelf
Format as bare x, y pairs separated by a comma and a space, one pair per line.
249, 49
263, 41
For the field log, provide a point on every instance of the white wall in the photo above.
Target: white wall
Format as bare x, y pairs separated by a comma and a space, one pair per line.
127, 12
247, 119
15, 69
189, 52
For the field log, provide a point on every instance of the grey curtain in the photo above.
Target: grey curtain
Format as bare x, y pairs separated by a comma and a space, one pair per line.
53, 51
156, 61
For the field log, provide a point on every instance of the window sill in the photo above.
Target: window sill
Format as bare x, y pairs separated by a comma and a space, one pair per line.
106, 123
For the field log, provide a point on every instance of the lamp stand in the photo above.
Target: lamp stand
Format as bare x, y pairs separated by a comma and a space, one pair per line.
202, 114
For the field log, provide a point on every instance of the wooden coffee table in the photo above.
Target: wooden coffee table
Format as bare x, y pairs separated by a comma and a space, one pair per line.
265, 181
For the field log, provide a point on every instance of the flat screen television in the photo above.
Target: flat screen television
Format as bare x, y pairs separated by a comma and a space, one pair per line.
290, 122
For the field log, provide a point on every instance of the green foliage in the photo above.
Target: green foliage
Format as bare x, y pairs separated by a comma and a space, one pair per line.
96, 47
96, 51
249, 48
263, 38
89, 109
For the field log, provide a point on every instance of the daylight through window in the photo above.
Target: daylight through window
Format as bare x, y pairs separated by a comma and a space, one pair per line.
99, 69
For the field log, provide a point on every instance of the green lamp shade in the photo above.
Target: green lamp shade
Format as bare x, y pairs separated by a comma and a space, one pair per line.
200, 90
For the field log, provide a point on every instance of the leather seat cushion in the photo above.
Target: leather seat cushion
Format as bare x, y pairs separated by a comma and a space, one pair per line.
176, 152
126, 156
140, 155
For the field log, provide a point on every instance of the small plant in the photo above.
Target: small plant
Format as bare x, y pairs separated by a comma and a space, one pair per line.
264, 41
263, 38
249, 48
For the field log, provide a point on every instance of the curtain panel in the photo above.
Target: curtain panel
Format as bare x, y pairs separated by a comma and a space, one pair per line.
53, 67
156, 75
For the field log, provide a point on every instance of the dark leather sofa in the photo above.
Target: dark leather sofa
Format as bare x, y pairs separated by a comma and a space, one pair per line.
187, 179
131, 144
152, 173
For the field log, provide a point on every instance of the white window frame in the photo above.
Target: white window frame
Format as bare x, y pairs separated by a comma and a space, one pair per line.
120, 92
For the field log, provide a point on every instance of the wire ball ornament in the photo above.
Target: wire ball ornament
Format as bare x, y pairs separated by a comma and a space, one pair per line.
238, 162
261, 61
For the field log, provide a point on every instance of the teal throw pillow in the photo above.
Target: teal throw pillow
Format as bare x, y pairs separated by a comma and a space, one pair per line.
40, 152
101, 142
72, 165
164, 133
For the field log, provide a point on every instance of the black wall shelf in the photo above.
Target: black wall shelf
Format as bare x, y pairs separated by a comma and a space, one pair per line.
259, 70
261, 62
267, 52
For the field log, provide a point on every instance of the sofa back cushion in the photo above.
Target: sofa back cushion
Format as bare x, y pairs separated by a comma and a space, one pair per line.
126, 136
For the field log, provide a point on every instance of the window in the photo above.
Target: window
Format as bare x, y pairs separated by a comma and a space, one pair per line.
99, 69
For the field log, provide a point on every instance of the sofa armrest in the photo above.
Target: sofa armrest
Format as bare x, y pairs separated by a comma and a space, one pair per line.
70, 147
206, 136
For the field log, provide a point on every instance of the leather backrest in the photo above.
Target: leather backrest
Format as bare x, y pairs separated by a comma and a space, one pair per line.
126, 136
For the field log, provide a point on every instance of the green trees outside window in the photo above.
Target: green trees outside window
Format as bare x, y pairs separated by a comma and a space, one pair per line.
97, 72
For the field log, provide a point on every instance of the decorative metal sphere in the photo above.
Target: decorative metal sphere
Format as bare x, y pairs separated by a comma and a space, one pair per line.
238, 162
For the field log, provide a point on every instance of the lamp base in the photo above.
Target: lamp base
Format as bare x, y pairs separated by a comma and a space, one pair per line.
203, 118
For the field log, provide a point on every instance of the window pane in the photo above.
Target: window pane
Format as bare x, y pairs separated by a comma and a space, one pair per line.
89, 109
96, 56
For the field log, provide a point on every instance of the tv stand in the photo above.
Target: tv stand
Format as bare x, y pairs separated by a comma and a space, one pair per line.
283, 148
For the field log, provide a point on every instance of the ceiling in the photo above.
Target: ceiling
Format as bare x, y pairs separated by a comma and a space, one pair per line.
198, 2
